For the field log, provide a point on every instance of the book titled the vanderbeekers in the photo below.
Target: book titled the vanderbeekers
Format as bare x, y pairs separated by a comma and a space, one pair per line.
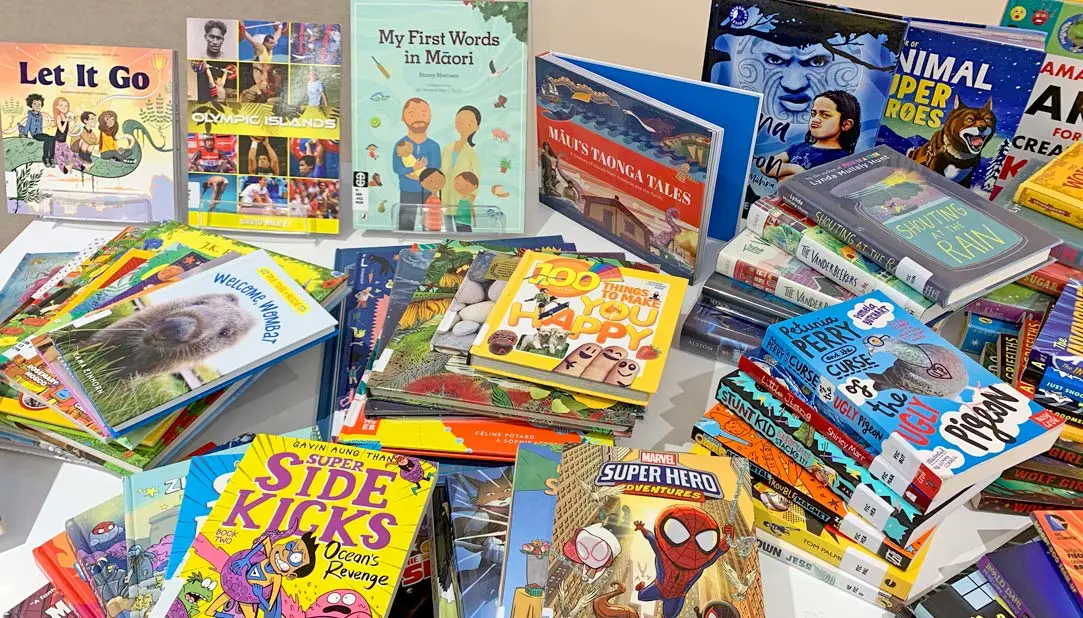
145, 357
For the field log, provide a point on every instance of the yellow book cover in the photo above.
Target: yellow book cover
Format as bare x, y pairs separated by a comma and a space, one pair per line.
585, 326
307, 528
1057, 189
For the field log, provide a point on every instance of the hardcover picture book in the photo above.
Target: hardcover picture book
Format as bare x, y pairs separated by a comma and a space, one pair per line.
88, 131
45, 602
825, 73
957, 98
585, 326
912, 395
136, 360
263, 124
439, 133
936, 236
1055, 189
152, 502
101, 552
643, 532
653, 163
57, 560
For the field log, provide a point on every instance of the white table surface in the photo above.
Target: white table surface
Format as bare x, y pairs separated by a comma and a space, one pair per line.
38, 494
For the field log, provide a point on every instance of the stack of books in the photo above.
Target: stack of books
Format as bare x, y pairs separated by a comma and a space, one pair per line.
466, 349
119, 355
572, 530
864, 429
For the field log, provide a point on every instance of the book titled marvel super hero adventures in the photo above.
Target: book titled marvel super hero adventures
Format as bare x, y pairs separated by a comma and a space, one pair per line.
916, 398
308, 528
643, 533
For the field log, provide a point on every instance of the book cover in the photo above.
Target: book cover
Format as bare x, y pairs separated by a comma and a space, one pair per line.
1068, 451
414, 597
981, 330
33, 270
263, 548
1070, 251
733, 309
626, 166
717, 335
188, 339
445, 587
895, 212
45, 602
439, 144
480, 502
1060, 532
1055, 189
956, 101
1058, 346
89, 131
1047, 472
1051, 278
750, 259
585, 326
1013, 303
263, 124
800, 237
97, 535
1012, 496
790, 51
57, 560
912, 392
530, 531
749, 300
1026, 579
152, 503
648, 532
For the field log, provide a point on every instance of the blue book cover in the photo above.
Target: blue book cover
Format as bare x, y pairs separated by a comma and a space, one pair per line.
152, 502
1060, 342
824, 72
913, 392
480, 502
207, 477
956, 101
1028, 581
101, 551
981, 330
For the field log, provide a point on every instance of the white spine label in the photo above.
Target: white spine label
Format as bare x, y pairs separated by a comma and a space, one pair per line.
870, 507
861, 532
863, 566
881, 469
913, 274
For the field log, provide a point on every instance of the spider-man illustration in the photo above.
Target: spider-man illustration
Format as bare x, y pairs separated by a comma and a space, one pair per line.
685, 542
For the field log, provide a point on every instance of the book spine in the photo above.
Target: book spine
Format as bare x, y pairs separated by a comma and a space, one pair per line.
1068, 452
1002, 311
1045, 479
1046, 280
719, 350
1066, 576
726, 307
1055, 381
774, 282
1049, 204
1014, 602
1069, 253
790, 555
995, 504
908, 271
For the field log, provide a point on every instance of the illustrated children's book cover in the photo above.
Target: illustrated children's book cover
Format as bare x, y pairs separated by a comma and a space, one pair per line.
630, 155
57, 560
957, 99
263, 124
32, 271
1060, 531
101, 551
824, 72
439, 133
88, 131
343, 546
1025, 577
912, 395
45, 602
480, 503
650, 533
590, 327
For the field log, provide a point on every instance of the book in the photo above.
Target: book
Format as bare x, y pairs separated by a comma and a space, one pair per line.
530, 531
912, 393
97, 535
1070, 251
717, 335
750, 259
207, 477
218, 326
1051, 278
1011, 496
45, 602
743, 39
618, 507
955, 104
981, 330
648, 161
1025, 577
892, 211
445, 89
445, 587
92, 133
1067, 451
588, 327
1056, 346
58, 561
263, 125
480, 502
1047, 472
350, 550
152, 503
414, 597
1059, 530
1054, 189
800, 237
748, 302
1012, 303
33, 270
1008, 357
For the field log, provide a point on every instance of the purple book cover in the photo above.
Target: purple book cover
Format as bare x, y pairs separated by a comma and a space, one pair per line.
1060, 343
1028, 581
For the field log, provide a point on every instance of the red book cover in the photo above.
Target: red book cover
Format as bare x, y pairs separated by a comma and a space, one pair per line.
56, 558
1051, 278
45, 602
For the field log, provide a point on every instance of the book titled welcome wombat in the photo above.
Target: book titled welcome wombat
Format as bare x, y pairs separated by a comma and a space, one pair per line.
140, 359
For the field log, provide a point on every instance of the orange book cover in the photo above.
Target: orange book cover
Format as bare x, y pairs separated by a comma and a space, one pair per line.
56, 559
1062, 532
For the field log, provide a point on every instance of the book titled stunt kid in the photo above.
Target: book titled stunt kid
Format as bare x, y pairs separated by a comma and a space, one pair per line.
911, 394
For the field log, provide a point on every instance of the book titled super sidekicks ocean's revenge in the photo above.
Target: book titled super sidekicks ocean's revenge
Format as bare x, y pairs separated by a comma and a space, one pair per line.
914, 396
142, 358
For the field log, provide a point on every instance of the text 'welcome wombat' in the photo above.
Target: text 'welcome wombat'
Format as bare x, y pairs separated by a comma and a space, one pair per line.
268, 309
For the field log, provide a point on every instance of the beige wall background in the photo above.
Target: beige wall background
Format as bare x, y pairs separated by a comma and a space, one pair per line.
666, 36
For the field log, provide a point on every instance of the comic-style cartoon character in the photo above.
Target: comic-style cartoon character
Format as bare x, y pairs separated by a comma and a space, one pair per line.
594, 548
140, 567
104, 534
686, 541
195, 591
252, 578
410, 470
339, 604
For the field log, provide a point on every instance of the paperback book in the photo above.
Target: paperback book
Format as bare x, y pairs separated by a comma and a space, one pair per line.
1060, 531
89, 131
806, 59
750, 302
895, 212
1013, 303
887, 370
1047, 472
656, 164
717, 335
981, 330
1026, 578
1058, 345
1051, 278
1020, 497
439, 144
263, 124
480, 502
32, 271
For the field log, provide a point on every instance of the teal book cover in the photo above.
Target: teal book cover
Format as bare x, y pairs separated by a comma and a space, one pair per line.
439, 123
152, 502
